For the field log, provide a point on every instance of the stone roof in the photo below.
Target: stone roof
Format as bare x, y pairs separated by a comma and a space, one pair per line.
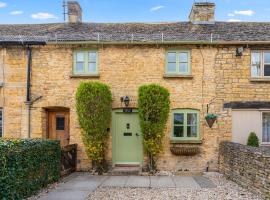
137, 32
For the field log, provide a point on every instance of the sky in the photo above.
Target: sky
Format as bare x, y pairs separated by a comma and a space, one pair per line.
50, 11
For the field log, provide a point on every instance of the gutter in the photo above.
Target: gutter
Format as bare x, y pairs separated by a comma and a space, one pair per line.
161, 42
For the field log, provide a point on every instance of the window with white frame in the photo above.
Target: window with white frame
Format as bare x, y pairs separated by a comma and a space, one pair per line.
1, 122
266, 127
260, 64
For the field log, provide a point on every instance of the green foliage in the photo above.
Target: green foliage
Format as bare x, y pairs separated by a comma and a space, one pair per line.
210, 116
253, 140
93, 104
154, 106
27, 166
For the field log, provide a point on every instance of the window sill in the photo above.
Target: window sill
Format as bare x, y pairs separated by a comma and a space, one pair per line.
177, 76
263, 79
186, 141
84, 76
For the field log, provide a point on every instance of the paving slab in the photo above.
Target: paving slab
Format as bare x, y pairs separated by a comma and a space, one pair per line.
161, 182
185, 182
66, 195
138, 181
115, 181
83, 183
204, 182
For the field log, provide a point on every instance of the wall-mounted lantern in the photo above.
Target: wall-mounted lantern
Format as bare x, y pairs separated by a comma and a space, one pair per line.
125, 100
239, 51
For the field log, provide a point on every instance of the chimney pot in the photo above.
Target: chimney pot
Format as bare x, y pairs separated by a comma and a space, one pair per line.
74, 12
202, 13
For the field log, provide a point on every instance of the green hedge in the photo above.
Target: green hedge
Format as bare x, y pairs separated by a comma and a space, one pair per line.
94, 108
154, 107
27, 166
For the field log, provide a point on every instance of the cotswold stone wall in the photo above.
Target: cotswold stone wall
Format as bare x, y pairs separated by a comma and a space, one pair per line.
218, 76
247, 166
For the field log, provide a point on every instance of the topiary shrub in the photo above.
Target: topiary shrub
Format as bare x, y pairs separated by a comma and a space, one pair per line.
154, 106
26, 166
93, 104
253, 140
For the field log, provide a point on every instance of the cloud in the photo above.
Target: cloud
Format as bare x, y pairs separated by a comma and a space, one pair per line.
244, 12
16, 12
156, 8
231, 14
43, 16
234, 20
2, 4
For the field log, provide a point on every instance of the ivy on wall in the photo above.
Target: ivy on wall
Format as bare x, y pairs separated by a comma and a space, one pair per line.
27, 166
154, 106
94, 104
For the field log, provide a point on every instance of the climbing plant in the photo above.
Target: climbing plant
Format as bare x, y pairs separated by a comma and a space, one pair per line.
153, 105
93, 104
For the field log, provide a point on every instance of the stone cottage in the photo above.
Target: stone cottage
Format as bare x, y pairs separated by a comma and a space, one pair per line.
208, 66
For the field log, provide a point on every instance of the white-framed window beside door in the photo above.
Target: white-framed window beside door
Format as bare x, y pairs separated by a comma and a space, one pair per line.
265, 127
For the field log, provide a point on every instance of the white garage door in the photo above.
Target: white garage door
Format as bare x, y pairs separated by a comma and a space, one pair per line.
243, 123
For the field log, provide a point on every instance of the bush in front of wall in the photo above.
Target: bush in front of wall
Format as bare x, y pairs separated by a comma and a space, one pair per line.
253, 140
26, 166
154, 106
94, 104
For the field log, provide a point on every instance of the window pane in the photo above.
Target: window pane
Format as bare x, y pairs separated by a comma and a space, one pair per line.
266, 70
178, 131
255, 70
183, 57
192, 119
60, 123
92, 57
183, 68
171, 67
79, 67
80, 57
92, 67
256, 58
192, 131
179, 119
266, 127
171, 57
267, 58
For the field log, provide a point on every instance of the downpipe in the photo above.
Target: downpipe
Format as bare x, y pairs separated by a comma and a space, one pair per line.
28, 91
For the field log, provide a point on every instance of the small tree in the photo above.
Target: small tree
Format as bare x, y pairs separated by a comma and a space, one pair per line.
93, 104
253, 140
154, 105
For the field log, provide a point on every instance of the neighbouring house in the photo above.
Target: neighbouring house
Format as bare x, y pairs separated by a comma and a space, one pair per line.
208, 67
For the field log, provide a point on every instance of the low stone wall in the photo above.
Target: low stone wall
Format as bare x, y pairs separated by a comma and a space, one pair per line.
247, 166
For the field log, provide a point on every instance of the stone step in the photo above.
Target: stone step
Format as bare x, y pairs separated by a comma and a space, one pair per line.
125, 170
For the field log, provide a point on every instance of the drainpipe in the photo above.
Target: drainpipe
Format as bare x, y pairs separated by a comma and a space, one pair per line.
28, 92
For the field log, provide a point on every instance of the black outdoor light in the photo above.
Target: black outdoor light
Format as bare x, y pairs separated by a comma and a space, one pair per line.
126, 100
239, 51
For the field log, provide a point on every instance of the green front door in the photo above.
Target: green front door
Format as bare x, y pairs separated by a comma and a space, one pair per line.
127, 139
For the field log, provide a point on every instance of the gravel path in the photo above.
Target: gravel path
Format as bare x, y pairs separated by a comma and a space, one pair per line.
225, 190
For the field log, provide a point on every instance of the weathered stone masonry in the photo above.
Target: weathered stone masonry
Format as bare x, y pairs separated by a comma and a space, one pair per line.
247, 166
218, 77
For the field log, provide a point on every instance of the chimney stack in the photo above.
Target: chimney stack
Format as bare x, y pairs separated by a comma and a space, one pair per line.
202, 13
74, 12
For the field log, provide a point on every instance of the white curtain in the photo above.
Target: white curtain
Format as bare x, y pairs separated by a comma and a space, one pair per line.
266, 127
